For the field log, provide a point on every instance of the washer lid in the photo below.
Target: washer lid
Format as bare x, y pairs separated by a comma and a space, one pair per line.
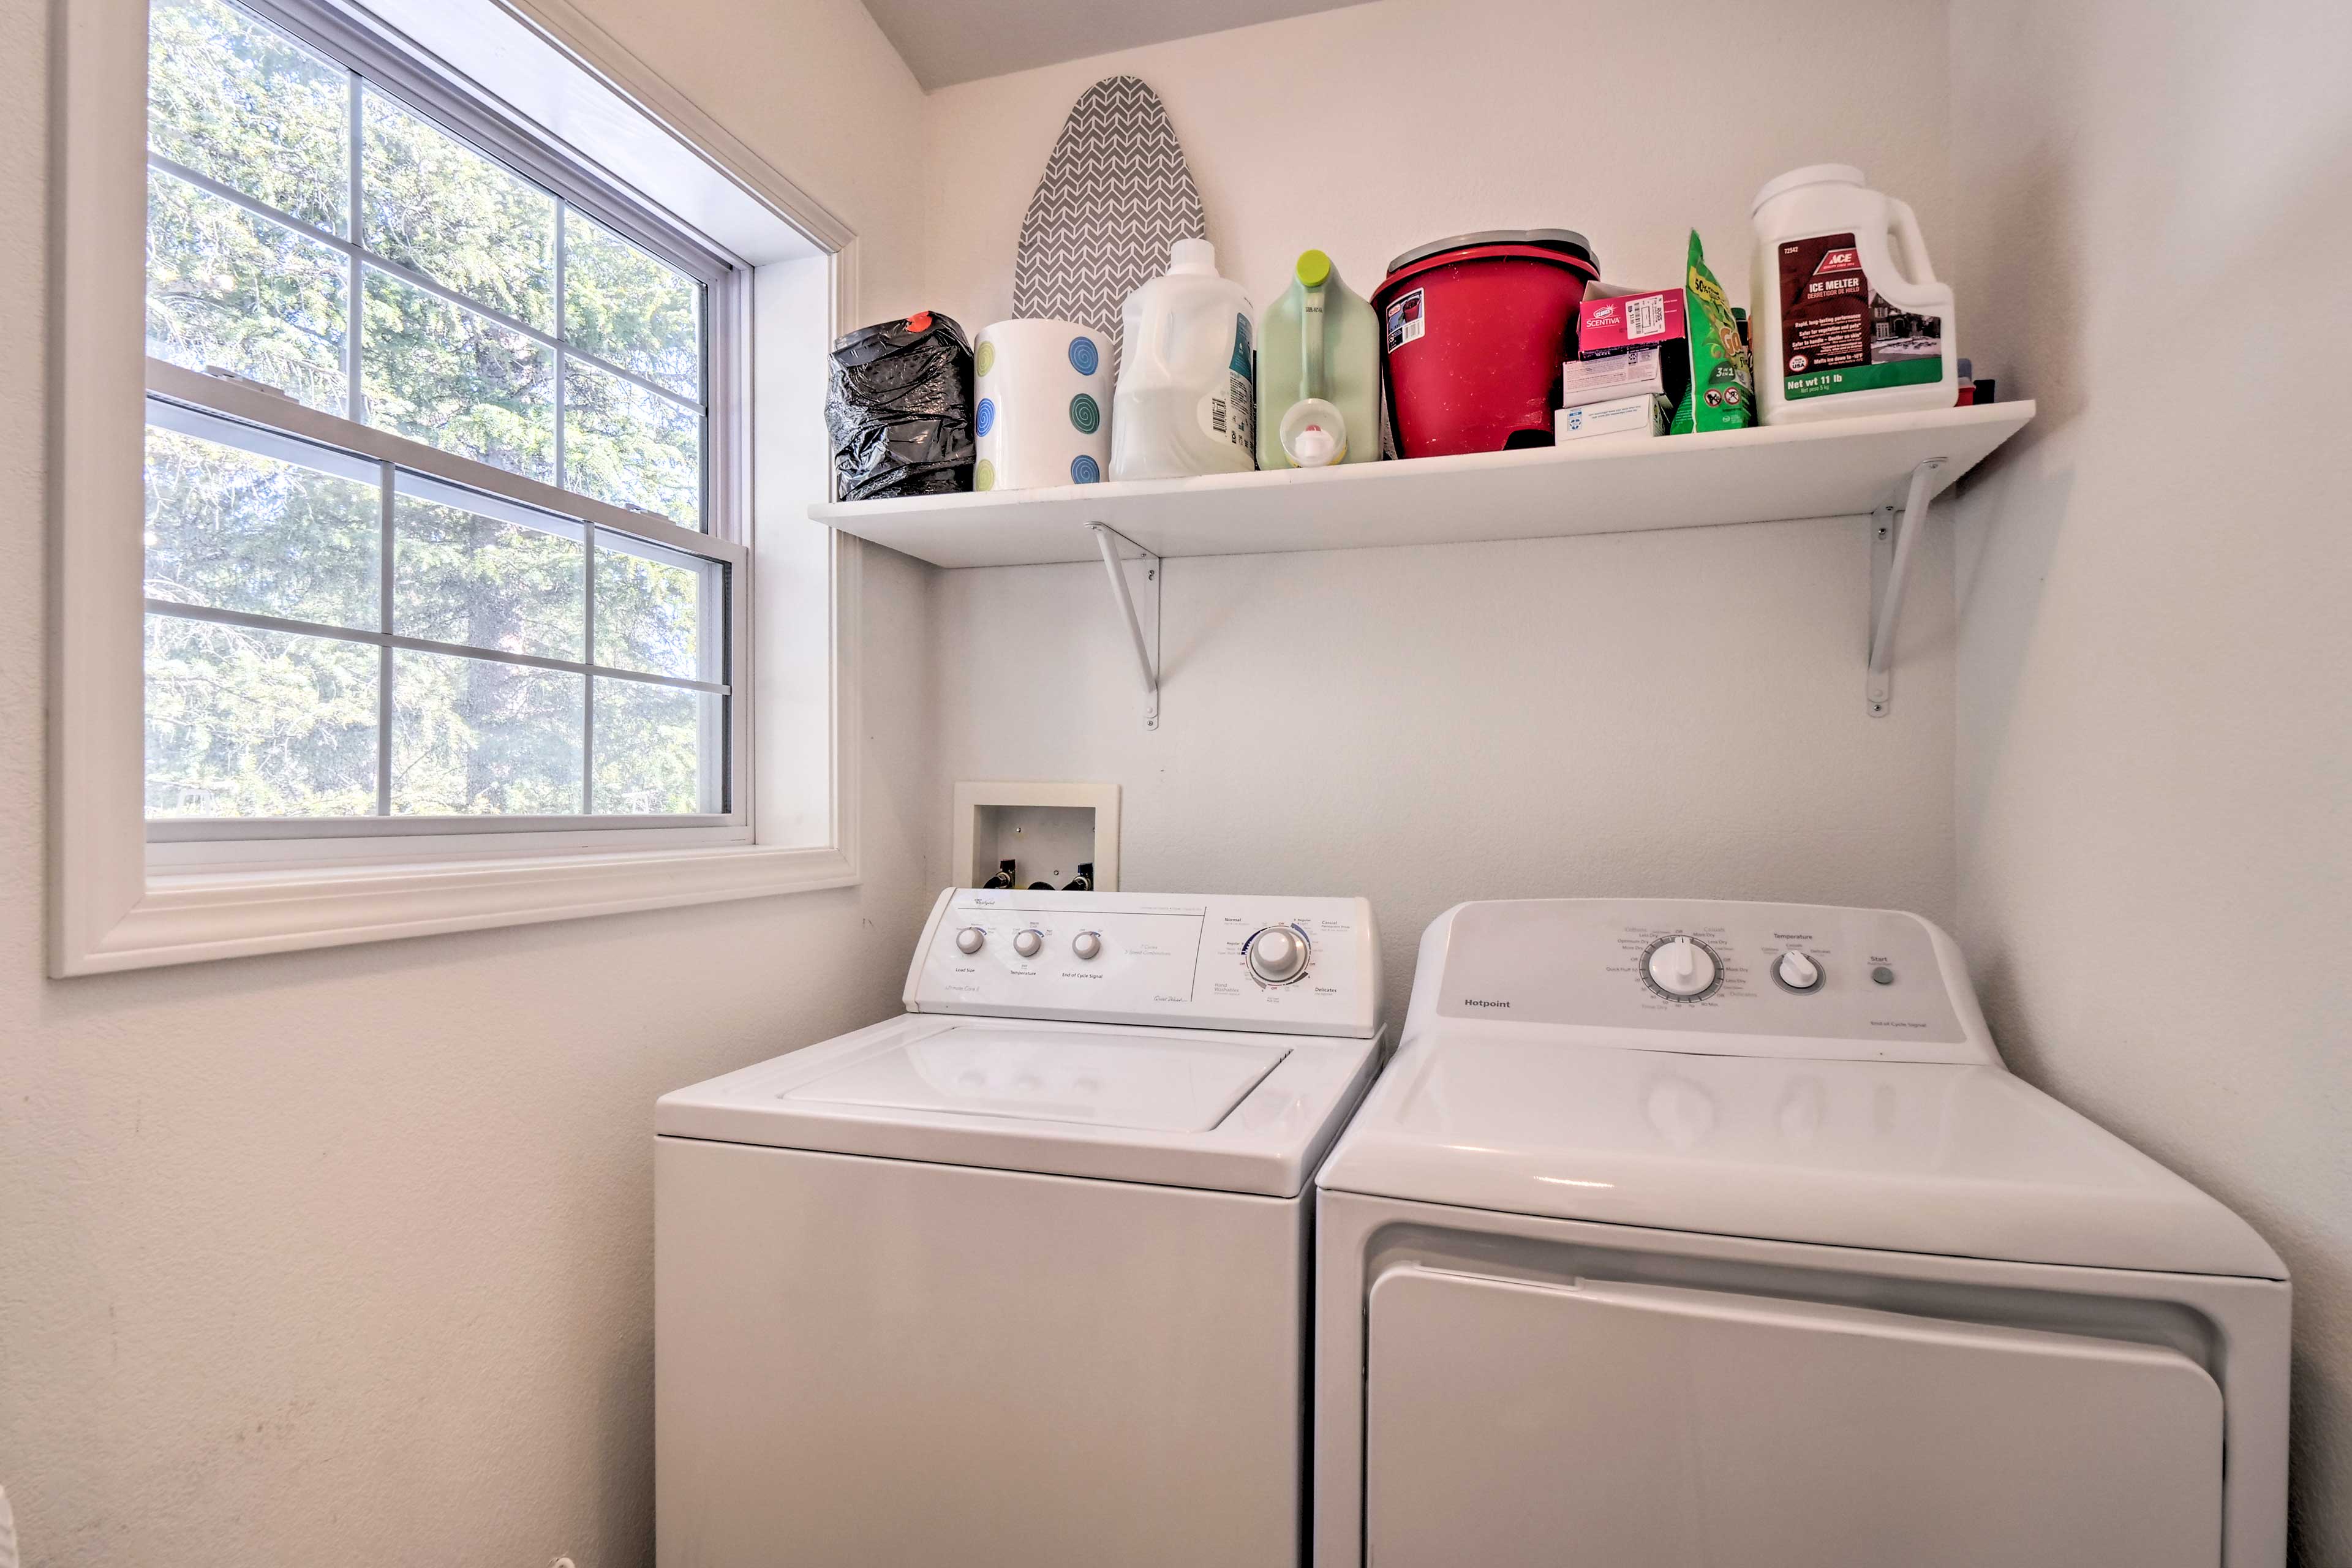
1224, 1111
1959, 1160
1169, 1083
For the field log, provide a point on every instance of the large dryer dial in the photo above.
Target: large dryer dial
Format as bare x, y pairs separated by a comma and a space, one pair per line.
1681, 969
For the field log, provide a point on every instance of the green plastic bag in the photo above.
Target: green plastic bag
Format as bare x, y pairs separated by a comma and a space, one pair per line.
1722, 391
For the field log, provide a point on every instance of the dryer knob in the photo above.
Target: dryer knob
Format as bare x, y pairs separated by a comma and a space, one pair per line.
1028, 943
1798, 972
1682, 967
972, 939
1277, 955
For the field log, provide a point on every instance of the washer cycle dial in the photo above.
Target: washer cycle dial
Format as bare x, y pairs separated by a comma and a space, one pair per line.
1277, 955
1681, 969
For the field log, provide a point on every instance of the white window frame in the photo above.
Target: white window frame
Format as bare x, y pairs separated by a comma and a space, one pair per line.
119, 902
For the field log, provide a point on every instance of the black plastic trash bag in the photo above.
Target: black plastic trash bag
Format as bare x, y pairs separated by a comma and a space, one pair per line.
898, 408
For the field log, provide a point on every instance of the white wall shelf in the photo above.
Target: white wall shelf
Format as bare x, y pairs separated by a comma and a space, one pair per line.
1845, 468
1890, 464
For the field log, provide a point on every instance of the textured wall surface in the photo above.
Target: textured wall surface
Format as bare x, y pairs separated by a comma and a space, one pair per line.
1676, 713
2154, 846
346, 1256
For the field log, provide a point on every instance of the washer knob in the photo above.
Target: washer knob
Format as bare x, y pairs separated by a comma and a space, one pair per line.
1027, 943
1798, 972
972, 939
1277, 955
1087, 945
1682, 967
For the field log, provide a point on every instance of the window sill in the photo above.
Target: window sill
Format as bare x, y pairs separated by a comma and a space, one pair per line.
187, 918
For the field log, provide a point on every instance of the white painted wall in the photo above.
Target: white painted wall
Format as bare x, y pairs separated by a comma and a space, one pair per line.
346, 1253
2155, 843
1452, 117
1676, 713
346, 1256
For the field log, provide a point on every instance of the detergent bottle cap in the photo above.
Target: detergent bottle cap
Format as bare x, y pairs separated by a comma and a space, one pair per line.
1314, 268
1192, 257
1314, 433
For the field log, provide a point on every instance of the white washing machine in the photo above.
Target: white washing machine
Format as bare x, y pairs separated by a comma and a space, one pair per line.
1683, 1233
1019, 1278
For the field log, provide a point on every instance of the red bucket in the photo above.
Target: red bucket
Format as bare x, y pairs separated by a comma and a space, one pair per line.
1474, 329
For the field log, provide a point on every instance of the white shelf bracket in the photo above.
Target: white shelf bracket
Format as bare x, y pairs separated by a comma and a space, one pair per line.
1892, 550
1140, 606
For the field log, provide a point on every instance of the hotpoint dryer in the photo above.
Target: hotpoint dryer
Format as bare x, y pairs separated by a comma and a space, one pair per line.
1020, 1276
1683, 1233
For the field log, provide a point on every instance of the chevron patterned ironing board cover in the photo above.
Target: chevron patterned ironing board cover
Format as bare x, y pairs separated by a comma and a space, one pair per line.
1115, 196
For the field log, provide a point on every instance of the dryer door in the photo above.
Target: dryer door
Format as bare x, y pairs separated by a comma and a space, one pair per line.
1618, 1426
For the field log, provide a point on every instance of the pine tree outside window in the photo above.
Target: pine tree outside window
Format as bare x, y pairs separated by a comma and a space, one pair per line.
436, 519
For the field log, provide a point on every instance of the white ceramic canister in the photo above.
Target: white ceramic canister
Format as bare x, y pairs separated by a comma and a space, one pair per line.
1042, 410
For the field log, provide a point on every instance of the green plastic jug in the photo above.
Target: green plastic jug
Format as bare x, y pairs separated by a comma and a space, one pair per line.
1318, 372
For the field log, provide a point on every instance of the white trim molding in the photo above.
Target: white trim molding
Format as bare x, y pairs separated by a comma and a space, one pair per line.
182, 920
115, 903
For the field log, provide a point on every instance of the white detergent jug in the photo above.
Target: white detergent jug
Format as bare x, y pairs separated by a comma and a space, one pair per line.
1182, 405
1848, 315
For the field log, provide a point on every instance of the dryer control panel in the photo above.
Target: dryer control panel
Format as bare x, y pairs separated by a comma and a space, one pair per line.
1681, 974
1283, 965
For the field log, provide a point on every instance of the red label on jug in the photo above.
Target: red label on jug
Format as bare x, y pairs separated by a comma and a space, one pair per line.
1837, 334
1407, 320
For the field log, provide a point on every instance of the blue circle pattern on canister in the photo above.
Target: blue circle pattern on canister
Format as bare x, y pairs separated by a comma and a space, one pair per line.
1084, 355
1084, 469
985, 419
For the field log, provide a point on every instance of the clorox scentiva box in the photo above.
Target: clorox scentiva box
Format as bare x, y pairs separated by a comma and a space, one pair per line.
1706, 373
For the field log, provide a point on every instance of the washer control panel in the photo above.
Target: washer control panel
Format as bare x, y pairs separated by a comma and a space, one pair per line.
1306, 965
1836, 981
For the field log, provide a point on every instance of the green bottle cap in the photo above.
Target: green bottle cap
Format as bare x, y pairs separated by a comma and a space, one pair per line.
1314, 267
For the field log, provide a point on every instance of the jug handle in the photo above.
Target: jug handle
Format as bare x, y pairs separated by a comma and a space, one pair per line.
1161, 341
1310, 321
1915, 247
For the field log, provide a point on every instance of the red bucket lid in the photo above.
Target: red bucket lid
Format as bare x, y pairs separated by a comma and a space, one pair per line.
1561, 243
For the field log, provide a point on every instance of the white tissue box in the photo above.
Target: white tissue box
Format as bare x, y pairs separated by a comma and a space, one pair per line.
1607, 377
1641, 415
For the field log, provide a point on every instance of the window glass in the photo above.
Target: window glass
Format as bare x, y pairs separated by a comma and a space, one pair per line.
234, 530
247, 723
654, 608
472, 736
629, 309
228, 288
436, 206
651, 750
240, 102
461, 576
493, 321
631, 446
441, 373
